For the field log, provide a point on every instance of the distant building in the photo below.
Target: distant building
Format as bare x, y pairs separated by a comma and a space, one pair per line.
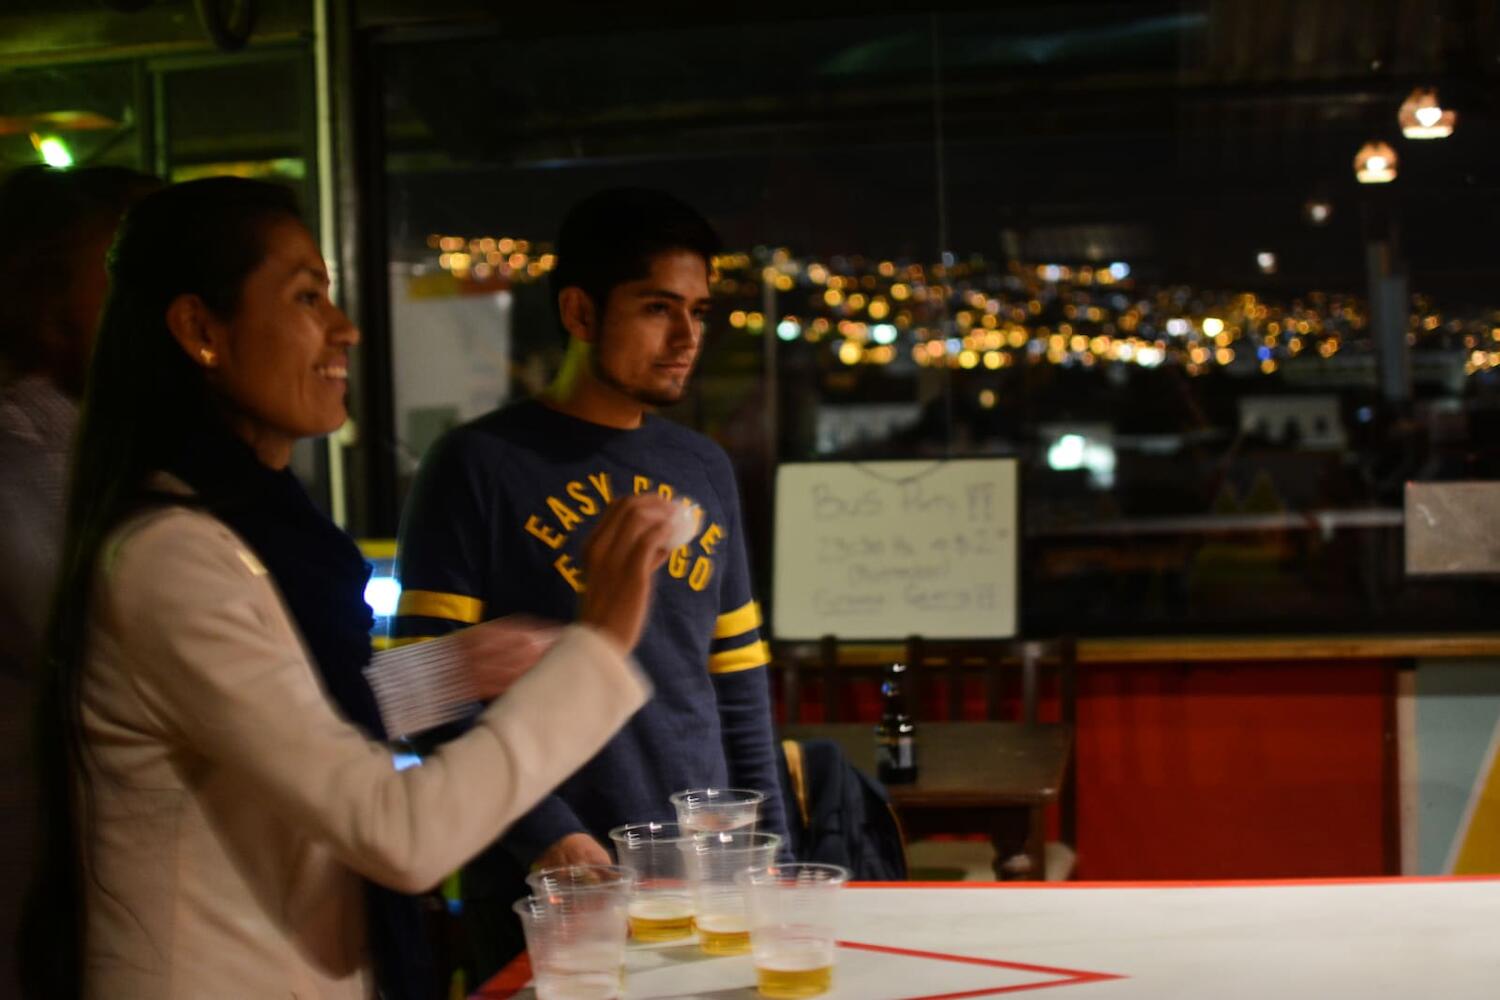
1309, 423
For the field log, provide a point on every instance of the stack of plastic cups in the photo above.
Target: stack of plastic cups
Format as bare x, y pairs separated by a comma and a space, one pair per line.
714, 862
575, 924
661, 902
793, 927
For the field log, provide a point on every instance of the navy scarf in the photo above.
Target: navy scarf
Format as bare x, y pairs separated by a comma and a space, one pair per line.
321, 576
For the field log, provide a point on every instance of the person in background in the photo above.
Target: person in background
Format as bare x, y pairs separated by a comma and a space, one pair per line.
500, 508
218, 805
55, 226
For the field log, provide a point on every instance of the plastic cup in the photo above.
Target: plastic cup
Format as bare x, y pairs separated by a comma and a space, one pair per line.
576, 942
661, 900
793, 927
714, 862
717, 810
615, 879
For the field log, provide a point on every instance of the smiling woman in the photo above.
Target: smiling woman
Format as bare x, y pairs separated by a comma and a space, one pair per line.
221, 817
281, 363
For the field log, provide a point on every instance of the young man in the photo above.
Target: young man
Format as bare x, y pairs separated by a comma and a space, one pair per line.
502, 504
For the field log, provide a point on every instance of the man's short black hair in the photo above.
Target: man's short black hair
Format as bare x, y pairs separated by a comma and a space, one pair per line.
610, 238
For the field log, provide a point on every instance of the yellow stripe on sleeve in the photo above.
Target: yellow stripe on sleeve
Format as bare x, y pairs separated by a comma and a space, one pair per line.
377, 548
738, 622
757, 654
433, 604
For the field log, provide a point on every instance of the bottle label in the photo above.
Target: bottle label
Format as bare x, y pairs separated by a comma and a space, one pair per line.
897, 754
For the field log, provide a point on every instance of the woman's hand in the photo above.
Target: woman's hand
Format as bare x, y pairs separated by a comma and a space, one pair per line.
499, 651
631, 542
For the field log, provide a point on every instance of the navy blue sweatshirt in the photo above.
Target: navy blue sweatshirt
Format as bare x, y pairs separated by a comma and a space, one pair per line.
495, 525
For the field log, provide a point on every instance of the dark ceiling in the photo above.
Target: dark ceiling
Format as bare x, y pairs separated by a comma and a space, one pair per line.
1186, 135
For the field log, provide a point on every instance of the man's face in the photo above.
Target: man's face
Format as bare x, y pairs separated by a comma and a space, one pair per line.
651, 330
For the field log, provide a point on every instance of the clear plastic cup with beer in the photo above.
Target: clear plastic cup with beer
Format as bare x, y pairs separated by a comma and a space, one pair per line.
661, 901
717, 810
714, 862
575, 933
793, 912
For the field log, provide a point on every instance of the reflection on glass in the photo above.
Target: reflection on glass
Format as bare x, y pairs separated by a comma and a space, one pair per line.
1053, 234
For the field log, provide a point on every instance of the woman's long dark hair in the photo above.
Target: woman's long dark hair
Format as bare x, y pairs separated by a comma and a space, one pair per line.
144, 395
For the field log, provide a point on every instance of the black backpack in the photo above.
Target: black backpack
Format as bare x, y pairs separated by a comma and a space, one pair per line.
837, 814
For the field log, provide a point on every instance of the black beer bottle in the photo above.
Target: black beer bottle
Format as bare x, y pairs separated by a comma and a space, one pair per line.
896, 736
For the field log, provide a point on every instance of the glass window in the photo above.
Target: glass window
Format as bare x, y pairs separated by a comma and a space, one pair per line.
248, 115
1123, 242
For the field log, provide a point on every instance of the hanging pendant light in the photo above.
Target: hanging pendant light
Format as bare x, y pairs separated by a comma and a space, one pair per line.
1422, 117
1375, 163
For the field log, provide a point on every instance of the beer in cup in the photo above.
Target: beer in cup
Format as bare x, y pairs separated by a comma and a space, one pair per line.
661, 901
793, 910
714, 861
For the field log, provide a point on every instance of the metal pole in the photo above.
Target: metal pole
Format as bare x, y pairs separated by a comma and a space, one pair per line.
771, 415
328, 232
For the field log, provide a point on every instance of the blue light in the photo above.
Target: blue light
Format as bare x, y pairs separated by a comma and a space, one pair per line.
383, 594
1120, 270
1264, 353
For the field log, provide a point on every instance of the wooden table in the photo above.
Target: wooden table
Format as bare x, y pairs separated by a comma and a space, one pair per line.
1152, 650
994, 778
1376, 939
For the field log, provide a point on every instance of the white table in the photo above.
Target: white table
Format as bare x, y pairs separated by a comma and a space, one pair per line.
1403, 939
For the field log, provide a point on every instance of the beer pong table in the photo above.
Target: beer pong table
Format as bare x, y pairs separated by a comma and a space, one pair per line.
1402, 939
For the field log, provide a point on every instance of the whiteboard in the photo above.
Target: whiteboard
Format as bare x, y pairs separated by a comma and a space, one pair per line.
885, 550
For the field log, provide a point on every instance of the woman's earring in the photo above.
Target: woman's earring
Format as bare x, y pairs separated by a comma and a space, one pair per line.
207, 356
